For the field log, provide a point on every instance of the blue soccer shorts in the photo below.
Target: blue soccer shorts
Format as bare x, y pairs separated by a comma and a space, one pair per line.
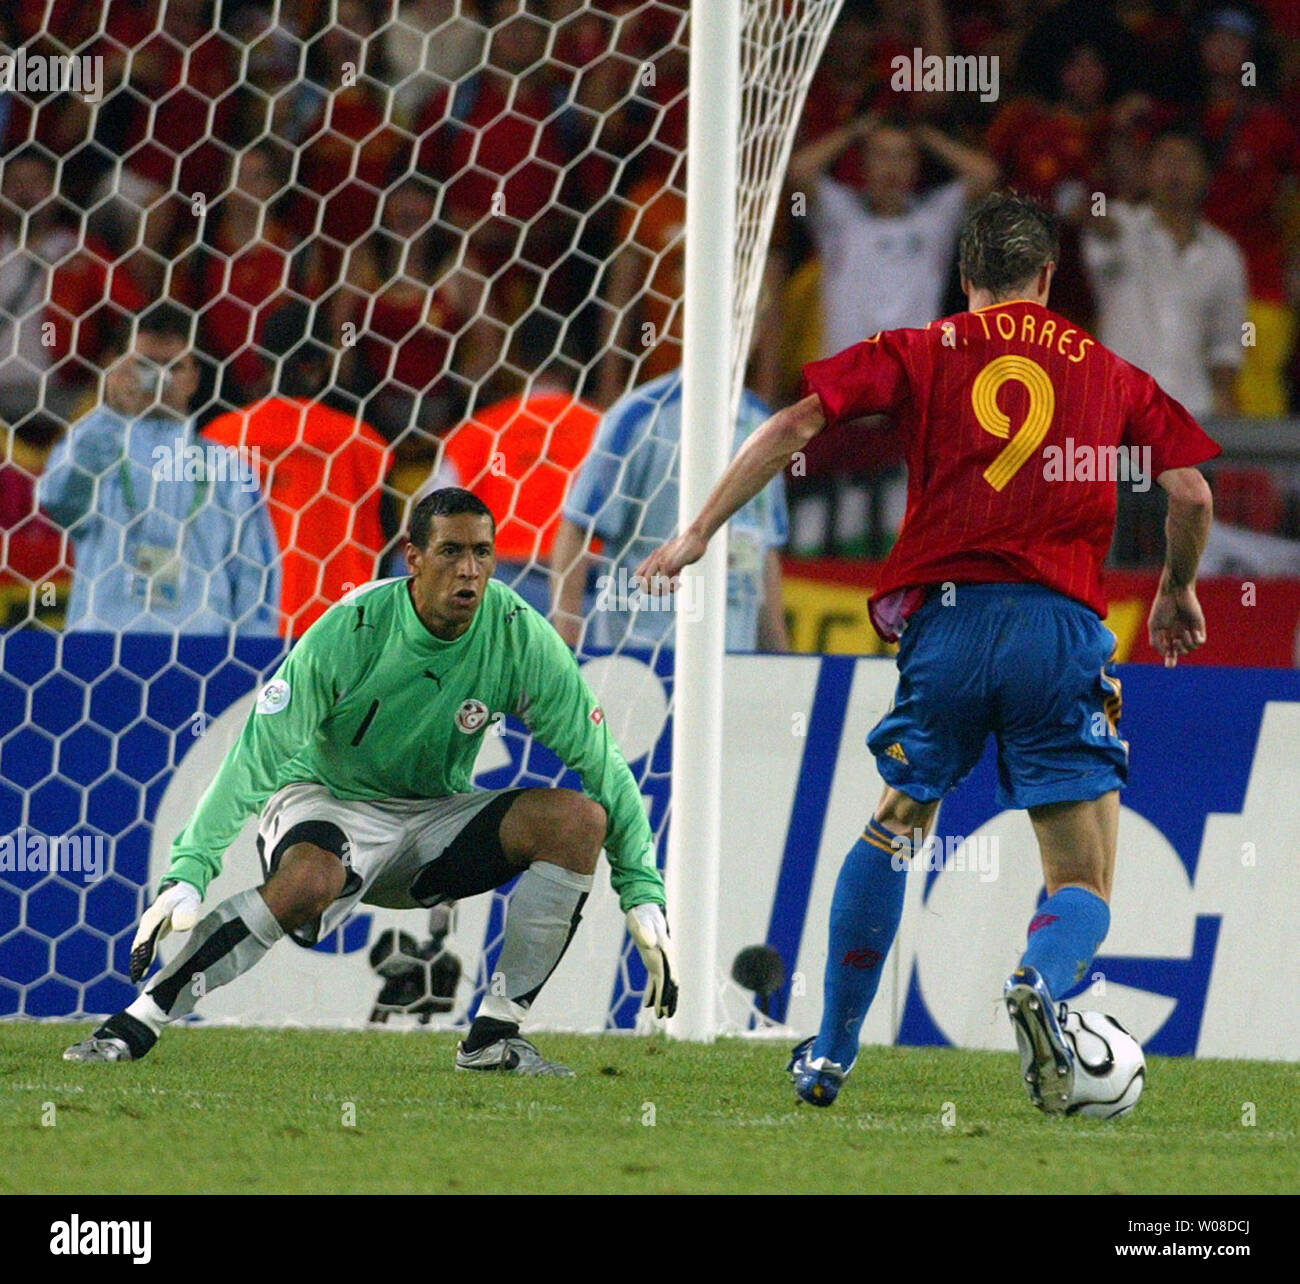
1017, 661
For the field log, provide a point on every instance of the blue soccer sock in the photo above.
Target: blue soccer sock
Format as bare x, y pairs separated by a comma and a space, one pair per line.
865, 912
1064, 935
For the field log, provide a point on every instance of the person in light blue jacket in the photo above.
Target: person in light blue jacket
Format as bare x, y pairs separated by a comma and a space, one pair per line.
626, 495
170, 533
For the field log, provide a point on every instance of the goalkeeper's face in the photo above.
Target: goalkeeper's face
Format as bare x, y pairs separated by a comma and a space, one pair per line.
450, 573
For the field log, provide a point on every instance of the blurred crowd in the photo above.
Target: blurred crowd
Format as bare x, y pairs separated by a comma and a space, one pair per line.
371, 225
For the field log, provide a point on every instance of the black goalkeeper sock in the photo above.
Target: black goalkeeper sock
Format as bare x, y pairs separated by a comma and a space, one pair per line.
135, 1034
486, 1030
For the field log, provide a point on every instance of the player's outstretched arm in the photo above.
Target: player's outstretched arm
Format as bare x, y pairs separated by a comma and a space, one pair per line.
764, 455
561, 710
1176, 624
288, 710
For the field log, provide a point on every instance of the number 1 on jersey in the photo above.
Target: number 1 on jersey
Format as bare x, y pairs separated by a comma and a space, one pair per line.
1042, 406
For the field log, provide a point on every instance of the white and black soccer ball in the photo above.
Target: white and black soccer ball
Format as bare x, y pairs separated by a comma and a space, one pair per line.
1110, 1070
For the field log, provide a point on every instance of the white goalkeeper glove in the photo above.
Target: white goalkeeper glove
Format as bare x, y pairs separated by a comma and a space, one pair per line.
649, 929
175, 910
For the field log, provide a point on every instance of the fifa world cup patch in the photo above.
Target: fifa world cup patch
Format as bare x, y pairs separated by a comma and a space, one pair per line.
274, 697
896, 751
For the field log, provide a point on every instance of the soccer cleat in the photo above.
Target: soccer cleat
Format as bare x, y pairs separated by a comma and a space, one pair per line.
1046, 1061
97, 1049
816, 1080
513, 1055
120, 1038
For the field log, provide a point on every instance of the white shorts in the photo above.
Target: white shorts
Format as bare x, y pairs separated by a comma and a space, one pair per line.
386, 846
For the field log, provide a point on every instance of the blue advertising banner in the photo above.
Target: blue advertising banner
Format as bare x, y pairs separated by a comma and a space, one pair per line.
95, 730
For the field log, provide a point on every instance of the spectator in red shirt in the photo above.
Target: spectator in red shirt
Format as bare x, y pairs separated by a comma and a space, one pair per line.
1053, 147
34, 239
243, 272
31, 546
59, 122
350, 149
119, 270
169, 75
410, 319
1256, 155
503, 120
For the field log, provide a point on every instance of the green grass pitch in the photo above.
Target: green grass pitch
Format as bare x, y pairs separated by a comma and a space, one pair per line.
267, 1111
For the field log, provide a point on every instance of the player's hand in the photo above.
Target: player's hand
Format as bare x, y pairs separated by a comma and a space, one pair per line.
649, 929
659, 573
175, 910
1176, 625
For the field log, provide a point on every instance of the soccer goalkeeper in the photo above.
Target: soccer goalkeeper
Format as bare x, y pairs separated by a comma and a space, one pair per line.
359, 755
994, 588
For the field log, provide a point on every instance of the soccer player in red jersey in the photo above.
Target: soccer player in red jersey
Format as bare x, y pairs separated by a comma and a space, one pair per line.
1016, 424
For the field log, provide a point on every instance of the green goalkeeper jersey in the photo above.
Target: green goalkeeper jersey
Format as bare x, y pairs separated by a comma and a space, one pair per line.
372, 705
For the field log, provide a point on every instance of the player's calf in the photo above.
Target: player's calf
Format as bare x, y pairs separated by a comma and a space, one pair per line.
558, 834
866, 908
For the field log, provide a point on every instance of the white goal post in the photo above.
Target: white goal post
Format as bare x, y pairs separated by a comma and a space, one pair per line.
751, 64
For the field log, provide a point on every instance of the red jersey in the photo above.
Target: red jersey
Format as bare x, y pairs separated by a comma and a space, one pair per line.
1257, 151
407, 332
1011, 418
481, 137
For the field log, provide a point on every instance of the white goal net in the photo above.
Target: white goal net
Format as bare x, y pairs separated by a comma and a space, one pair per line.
374, 248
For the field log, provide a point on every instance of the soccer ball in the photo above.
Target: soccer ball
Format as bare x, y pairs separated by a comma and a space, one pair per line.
1110, 1070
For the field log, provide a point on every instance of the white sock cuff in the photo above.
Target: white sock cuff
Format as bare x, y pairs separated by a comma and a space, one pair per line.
144, 1009
258, 918
558, 874
497, 1007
